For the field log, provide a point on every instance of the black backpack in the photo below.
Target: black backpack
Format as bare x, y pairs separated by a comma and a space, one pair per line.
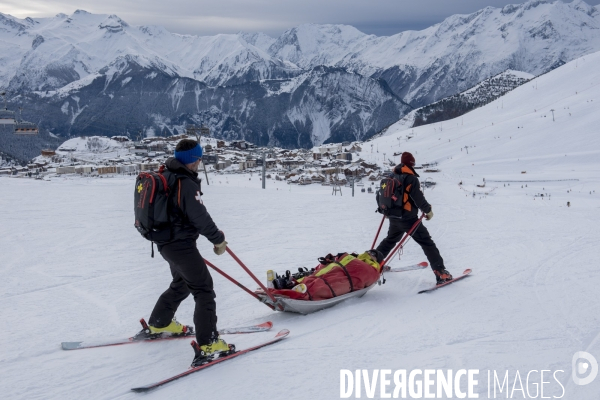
390, 195
151, 206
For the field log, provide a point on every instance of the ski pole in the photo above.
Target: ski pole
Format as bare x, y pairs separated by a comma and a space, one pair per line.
404, 238
237, 283
378, 230
251, 274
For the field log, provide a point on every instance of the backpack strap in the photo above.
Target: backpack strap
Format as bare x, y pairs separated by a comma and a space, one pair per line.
179, 193
171, 190
401, 178
405, 196
178, 179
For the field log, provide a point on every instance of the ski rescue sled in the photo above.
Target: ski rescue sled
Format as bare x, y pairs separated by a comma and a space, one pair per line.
335, 279
286, 304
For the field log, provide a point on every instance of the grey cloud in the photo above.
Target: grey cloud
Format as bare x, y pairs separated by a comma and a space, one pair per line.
380, 17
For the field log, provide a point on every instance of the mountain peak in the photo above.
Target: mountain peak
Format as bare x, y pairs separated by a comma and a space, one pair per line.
533, 4
257, 39
311, 44
12, 22
581, 5
113, 24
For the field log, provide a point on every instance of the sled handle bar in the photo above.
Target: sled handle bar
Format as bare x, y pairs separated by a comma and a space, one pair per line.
378, 230
251, 274
251, 293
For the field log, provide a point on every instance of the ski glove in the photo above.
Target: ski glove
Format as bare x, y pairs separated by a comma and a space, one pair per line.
220, 248
429, 215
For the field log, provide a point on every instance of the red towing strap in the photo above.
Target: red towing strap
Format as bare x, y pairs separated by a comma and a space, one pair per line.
251, 293
251, 274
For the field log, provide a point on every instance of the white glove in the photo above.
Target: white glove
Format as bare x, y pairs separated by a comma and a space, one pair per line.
220, 248
429, 215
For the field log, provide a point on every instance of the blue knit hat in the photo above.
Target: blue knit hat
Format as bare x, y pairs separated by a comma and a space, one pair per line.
189, 156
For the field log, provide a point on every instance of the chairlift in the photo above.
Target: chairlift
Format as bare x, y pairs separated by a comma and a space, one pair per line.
7, 118
26, 128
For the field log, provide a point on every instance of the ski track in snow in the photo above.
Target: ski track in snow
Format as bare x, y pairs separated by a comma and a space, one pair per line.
74, 268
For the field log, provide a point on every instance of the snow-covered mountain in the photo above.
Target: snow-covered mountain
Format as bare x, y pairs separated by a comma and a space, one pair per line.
52, 52
453, 106
49, 62
425, 66
325, 103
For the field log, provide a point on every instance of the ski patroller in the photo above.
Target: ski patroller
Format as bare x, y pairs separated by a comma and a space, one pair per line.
228, 331
280, 336
464, 275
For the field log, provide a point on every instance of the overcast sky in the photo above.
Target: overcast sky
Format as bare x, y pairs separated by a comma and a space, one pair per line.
273, 17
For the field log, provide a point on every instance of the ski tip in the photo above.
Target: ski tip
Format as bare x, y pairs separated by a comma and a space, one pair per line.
467, 271
70, 345
283, 333
267, 325
140, 389
423, 264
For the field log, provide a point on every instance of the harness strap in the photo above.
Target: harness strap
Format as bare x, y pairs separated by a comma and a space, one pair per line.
347, 275
328, 285
309, 295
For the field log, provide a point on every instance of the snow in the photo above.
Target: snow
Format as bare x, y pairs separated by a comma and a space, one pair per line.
92, 149
74, 268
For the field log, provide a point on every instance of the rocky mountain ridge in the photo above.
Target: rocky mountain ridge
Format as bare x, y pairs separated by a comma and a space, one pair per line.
97, 74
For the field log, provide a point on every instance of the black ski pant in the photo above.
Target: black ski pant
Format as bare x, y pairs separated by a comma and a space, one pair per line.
398, 227
190, 275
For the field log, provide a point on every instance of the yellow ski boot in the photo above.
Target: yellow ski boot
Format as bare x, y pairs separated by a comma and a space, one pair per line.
208, 352
173, 329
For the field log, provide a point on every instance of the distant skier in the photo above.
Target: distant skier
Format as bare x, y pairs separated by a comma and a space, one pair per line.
190, 274
402, 218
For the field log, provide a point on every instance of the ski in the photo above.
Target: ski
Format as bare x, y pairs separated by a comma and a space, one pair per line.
229, 331
420, 265
281, 335
464, 275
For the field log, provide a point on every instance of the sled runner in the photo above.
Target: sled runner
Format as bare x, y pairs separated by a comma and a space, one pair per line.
308, 307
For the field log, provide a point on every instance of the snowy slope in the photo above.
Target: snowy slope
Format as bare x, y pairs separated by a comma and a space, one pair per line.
75, 269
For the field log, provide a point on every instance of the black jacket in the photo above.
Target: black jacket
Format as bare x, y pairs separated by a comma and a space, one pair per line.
414, 199
188, 213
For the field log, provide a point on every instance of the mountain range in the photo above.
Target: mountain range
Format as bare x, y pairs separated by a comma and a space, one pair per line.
84, 73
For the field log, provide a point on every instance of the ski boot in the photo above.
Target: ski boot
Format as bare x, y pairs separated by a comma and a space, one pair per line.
442, 276
208, 352
173, 329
